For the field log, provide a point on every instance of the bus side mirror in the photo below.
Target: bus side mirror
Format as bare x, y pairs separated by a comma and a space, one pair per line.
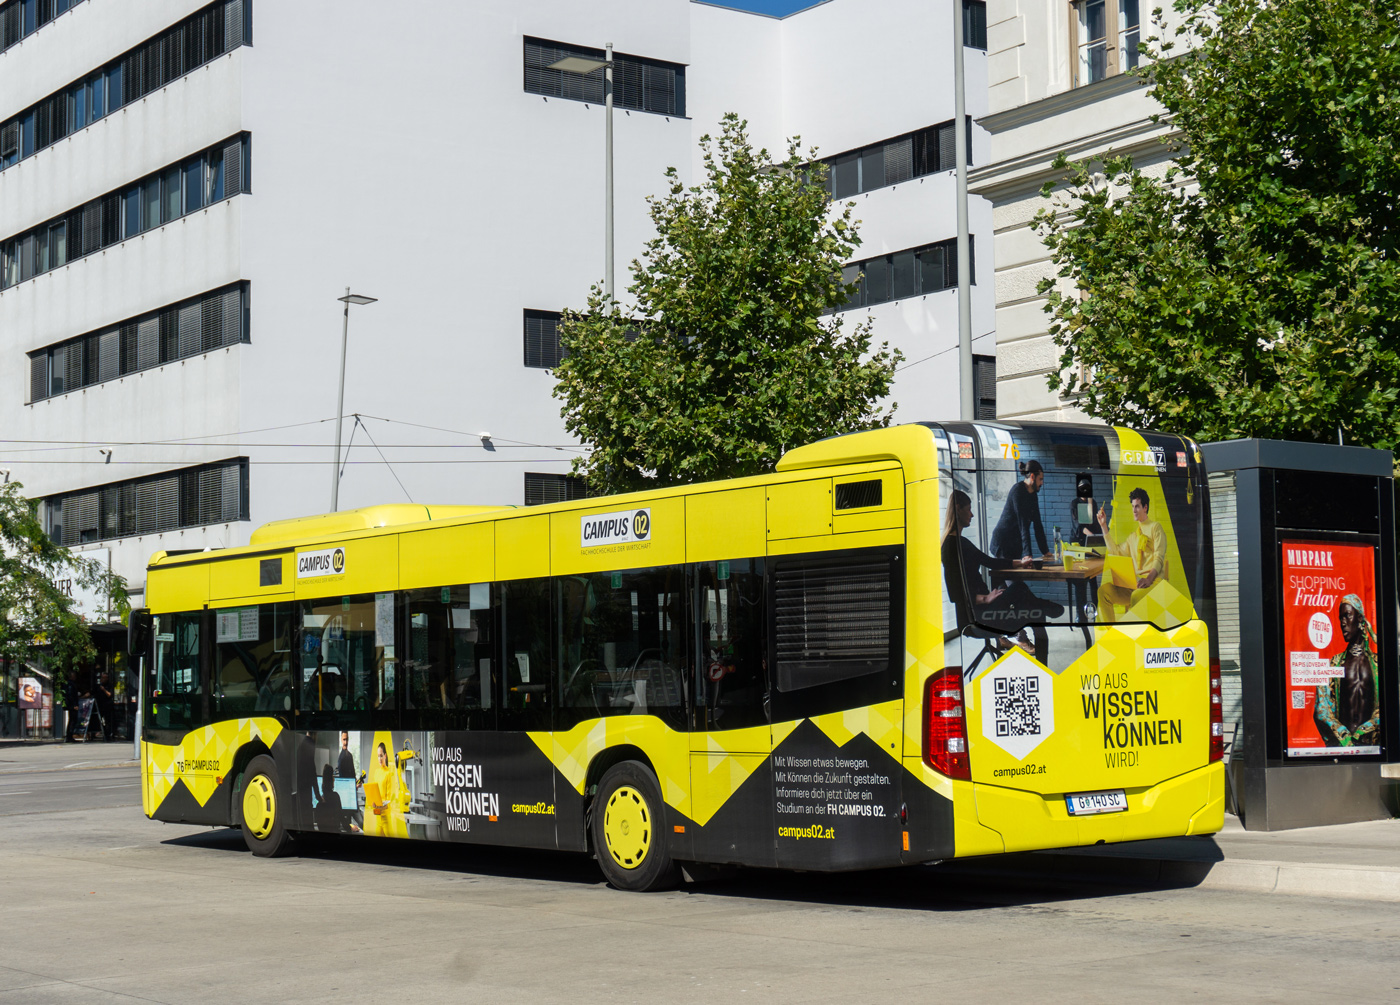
138, 633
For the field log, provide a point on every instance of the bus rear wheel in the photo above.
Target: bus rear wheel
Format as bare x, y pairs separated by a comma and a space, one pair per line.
629, 834
262, 810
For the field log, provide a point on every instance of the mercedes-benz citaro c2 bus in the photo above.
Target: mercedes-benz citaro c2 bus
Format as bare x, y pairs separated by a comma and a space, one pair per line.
846, 664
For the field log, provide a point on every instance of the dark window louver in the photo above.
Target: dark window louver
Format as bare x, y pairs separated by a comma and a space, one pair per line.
549, 488
542, 348
639, 84
833, 620
974, 24
858, 495
915, 272
184, 47
218, 173
984, 384
201, 324
193, 497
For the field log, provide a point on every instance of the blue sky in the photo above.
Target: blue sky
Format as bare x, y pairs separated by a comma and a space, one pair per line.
778, 8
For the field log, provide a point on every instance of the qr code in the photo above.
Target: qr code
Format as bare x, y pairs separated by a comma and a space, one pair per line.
1017, 706
1300, 699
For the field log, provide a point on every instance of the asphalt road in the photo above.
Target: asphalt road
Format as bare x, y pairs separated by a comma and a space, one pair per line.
101, 905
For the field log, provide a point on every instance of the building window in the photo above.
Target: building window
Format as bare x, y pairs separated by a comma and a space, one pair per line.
219, 28
544, 488
975, 24
178, 500
914, 272
201, 324
220, 172
984, 386
1105, 36
889, 162
21, 18
644, 85
542, 348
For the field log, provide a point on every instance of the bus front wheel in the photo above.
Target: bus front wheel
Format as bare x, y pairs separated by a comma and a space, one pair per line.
263, 809
629, 833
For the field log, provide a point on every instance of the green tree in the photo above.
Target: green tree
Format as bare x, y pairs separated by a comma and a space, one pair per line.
36, 614
730, 356
1255, 290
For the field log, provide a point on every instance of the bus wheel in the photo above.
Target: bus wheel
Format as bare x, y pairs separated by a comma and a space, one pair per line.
262, 810
629, 835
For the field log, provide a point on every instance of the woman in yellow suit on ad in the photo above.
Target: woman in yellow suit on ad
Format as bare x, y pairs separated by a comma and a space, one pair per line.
385, 792
1145, 545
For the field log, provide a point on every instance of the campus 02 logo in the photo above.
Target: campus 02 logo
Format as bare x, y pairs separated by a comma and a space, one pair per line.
326, 562
624, 527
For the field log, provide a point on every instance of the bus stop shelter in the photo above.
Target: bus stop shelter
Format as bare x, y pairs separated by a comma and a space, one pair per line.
1305, 569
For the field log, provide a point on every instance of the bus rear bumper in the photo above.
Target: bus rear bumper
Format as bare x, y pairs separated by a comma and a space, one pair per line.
1189, 804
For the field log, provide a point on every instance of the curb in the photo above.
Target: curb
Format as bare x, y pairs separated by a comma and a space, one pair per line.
38, 742
1346, 882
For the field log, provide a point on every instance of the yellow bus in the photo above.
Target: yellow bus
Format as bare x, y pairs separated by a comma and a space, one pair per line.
906, 645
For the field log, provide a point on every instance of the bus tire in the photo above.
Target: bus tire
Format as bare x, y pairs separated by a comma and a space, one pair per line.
629, 830
263, 809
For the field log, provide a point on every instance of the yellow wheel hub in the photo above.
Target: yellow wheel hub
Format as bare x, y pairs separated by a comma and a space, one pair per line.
259, 806
627, 827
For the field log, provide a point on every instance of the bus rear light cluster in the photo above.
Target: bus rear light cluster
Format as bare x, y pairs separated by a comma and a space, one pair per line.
1217, 717
945, 725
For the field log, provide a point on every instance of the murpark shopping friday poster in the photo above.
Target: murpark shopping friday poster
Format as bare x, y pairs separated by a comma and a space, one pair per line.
1333, 673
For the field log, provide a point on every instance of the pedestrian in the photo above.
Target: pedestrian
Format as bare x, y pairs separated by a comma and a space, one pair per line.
70, 704
106, 706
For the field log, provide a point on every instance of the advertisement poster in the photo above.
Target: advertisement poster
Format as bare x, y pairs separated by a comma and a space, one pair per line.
1329, 608
31, 694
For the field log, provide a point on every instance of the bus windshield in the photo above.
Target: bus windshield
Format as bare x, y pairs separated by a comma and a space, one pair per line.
1068, 526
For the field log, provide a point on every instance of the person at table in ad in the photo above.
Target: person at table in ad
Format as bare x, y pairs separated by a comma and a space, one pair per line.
1008, 608
1011, 537
1146, 545
1348, 708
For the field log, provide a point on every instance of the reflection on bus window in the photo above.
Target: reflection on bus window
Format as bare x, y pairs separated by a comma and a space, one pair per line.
253, 661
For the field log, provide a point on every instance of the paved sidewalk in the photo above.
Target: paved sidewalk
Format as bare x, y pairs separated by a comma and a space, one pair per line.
1353, 861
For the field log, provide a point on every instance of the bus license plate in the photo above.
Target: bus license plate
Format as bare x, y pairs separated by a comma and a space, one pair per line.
1085, 803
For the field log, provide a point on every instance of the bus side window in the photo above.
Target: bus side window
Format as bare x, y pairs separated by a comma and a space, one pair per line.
526, 652
448, 662
731, 682
252, 666
340, 658
622, 644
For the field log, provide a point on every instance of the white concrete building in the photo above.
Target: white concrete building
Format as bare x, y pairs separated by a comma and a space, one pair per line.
1056, 72
187, 187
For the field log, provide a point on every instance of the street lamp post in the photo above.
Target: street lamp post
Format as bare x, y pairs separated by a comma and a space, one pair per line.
581, 66
347, 300
966, 393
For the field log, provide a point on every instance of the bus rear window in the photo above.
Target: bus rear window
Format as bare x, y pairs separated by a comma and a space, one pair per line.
1070, 526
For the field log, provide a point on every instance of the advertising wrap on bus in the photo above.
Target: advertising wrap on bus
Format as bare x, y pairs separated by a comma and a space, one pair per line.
1073, 560
904, 645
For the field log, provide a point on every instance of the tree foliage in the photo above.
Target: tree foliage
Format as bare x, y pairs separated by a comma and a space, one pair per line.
1254, 291
730, 355
36, 614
